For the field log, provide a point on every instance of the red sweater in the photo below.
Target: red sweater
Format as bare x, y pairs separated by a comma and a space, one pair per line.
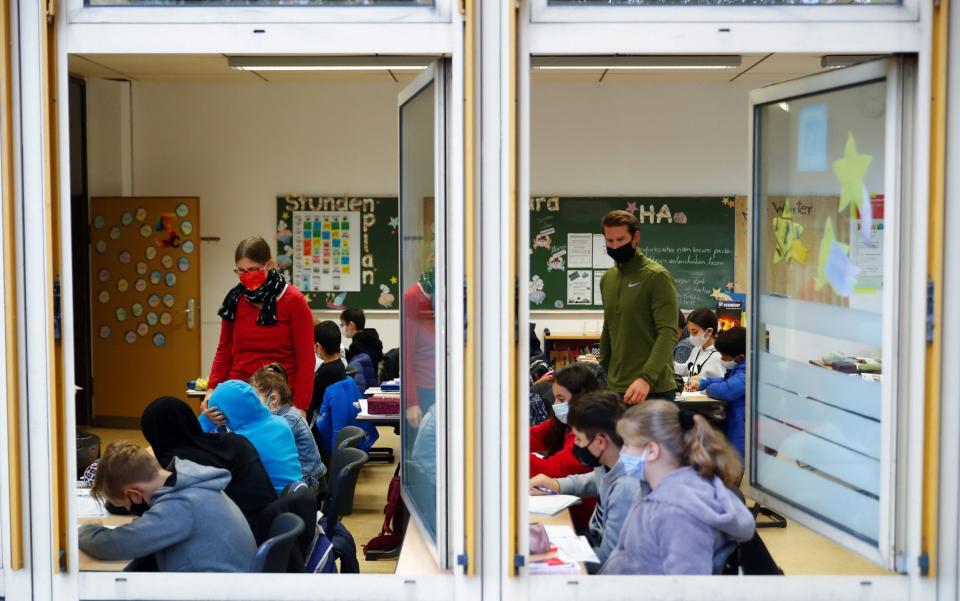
245, 347
419, 344
560, 464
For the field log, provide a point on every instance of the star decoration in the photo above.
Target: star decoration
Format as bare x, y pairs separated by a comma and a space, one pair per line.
286, 215
394, 222
850, 171
717, 294
786, 234
393, 279
631, 207
728, 203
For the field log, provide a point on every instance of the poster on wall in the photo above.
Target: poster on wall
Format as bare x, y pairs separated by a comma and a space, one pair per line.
326, 251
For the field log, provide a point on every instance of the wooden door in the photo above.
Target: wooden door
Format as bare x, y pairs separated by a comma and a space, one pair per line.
145, 289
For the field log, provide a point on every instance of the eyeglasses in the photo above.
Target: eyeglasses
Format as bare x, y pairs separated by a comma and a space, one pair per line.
239, 271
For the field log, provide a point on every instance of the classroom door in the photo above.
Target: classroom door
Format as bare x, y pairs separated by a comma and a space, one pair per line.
145, 288
422, 125
826, 213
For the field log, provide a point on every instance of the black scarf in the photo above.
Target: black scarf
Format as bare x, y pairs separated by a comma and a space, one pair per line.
266, 296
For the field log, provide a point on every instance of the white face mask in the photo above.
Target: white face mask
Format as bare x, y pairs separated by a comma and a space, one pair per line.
560, 410
699, 340
728, 365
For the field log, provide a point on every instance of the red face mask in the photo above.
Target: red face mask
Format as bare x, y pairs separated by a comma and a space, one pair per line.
253, 280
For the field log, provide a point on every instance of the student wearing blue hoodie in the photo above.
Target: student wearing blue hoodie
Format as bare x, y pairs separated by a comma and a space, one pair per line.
689, 513
237, 403
732, 387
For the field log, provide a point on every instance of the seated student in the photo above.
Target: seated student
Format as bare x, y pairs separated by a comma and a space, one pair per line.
732, 387
362, 339
593, 420
551, 442
690, 512
270, 382
681, 352
172, 430
190, 526
236, 404
704, 360
326, 343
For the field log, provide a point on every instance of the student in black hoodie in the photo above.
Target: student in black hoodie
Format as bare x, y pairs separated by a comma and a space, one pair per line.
326, 339
362, 339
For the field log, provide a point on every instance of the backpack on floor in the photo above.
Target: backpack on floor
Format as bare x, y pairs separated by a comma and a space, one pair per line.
386, 545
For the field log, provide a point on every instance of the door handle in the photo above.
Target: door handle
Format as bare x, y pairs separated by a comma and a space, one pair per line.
191, 312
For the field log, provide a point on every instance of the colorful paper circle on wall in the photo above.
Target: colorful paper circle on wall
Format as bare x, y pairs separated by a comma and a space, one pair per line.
101, 246
104, 296
187, 228
140, 285
126, 218
168, 300
136, 309
155, 277
182, 210
145, 230
121, 313
150, 253
170, 279
141, 267
166, 318
103, 275
152, 318
130, 336
141, 214
98, 221
104, 331
122, 285
142, 329
187, 246
183, 263
166, 261
115, 232
124, 257
153, 300
159, 339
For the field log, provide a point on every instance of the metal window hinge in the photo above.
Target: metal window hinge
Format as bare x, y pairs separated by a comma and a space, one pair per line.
924, 563
463, 560
931, 287
519, 561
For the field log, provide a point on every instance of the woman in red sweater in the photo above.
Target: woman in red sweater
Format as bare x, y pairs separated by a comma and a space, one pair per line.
265, 320
551, 442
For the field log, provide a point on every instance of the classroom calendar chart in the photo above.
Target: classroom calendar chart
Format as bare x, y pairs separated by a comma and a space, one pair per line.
326, 251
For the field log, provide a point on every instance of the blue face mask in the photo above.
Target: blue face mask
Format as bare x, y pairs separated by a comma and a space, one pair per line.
560, 411
633, 465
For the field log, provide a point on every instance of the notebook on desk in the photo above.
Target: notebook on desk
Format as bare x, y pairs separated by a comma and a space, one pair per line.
551, 504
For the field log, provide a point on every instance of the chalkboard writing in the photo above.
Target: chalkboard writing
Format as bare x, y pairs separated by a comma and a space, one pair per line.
693, 237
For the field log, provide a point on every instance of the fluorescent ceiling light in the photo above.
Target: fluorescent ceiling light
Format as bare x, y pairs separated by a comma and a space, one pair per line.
329, 63
837, 61
635, 63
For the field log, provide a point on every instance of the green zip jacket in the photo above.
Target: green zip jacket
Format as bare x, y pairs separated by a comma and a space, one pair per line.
639, 324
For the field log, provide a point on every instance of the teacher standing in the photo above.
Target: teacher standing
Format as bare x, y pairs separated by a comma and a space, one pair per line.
264, 320
639, 316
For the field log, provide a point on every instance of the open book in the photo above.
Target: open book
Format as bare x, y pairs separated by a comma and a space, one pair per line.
551, 504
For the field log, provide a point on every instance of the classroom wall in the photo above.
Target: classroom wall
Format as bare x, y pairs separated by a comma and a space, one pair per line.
626, 138
237, 146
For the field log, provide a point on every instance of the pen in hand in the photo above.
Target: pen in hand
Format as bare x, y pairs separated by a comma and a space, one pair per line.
545, 490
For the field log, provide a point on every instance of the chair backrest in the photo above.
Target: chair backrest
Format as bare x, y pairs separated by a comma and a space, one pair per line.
274, 554
348, 436
341, 484
722, 557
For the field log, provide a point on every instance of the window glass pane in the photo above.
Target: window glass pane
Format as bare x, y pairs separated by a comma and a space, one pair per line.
418, 317
709, 2
820, 240
259, 2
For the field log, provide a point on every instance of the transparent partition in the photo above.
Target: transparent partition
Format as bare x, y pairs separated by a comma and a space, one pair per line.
822, 247
421, 306
709, 2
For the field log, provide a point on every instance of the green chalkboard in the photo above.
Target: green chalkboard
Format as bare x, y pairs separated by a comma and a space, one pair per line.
328, 246
693, 237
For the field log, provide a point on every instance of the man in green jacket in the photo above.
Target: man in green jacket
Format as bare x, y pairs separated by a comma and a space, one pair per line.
639, 316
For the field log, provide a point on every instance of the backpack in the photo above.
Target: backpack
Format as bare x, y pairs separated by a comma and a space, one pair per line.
386, 545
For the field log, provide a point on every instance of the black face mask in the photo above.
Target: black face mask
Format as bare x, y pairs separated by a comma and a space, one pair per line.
623, 253
585, 457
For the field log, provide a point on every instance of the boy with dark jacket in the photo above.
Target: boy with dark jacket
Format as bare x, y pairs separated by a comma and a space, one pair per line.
362, 339
732, 387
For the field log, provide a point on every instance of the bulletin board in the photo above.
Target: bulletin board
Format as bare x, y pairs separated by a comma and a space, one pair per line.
340, 251
693, 237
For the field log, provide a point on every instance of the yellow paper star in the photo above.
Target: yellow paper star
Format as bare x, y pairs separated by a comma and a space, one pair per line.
286, 215
850, 171
798, 252
785, 233
393, 279
716, 293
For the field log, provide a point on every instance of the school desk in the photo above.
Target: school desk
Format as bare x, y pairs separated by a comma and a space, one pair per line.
91, 564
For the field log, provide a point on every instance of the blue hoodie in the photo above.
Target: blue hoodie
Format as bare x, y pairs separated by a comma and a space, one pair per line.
731, 388
269, 434
677, 528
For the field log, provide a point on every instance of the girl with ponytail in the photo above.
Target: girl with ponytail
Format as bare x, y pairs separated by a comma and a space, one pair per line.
690, 511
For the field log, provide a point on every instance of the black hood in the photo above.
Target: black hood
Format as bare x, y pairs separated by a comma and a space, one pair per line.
366, 341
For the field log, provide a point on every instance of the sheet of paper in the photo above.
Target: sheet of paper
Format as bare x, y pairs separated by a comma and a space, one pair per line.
87, 506
579, 251
812, 137
569, 545
601, 260
551, 504
579, 287
840, 271
597, 293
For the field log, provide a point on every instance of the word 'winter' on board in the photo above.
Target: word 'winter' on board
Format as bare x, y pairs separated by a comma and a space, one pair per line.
645, 213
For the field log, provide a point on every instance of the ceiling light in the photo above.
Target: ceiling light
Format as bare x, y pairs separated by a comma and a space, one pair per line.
784, 107
635, 63
838, 61
329, 63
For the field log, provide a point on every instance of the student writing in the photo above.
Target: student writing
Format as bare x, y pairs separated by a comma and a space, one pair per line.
704, 360
690, 512
732, 387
